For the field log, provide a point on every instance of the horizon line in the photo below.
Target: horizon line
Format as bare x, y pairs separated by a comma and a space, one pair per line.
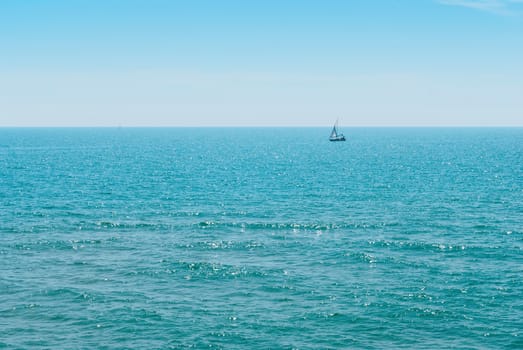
256, 126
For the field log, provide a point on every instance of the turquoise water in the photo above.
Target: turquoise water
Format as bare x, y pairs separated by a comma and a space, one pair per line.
261, 238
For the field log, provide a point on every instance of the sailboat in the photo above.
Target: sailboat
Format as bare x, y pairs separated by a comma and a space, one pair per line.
335, 135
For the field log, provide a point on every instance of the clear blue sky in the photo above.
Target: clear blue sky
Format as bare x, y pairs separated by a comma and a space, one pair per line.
261, 62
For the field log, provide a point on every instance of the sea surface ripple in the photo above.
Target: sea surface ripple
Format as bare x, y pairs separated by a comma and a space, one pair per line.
261, 238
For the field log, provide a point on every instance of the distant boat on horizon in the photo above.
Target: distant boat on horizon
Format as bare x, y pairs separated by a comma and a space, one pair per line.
335, 135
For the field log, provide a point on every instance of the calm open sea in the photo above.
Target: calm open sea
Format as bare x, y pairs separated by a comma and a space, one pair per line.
261, 238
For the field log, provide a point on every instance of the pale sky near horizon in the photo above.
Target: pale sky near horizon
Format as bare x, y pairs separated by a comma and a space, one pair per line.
261, 62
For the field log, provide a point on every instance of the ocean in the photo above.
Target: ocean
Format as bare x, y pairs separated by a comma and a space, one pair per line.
261, 238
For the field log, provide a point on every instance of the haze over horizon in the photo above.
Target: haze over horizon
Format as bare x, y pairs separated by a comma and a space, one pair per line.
261, 63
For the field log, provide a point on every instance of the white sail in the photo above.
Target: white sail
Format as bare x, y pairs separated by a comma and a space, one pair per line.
334, 133
335, 136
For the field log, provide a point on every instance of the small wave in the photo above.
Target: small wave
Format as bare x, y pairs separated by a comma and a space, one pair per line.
224, 245
444, 247
168, 224
284, 226
64, 293
362, 256
198, 270
417, 245
214, 270
59, 244
130, 226
428, 312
